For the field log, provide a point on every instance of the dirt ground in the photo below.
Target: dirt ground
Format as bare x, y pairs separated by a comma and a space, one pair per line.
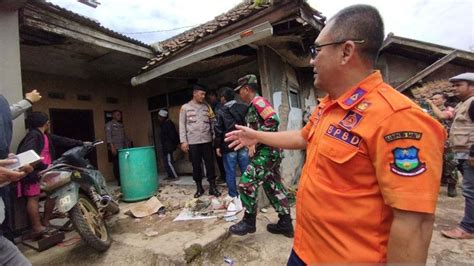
444, 251
207, 242
263, 248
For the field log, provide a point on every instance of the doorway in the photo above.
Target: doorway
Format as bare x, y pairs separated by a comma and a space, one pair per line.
155, 121
75, 124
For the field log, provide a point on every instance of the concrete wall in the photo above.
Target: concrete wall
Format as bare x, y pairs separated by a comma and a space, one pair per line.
282, 77
397, 69
10, 70
134, 107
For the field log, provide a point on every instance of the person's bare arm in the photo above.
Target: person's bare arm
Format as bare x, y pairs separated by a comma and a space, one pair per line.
245, 136
410, 237
438, 113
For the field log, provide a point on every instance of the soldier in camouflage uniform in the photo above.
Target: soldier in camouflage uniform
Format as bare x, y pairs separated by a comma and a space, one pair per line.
264, 167
438, 110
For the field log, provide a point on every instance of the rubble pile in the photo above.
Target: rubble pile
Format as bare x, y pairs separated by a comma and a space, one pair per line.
430, 88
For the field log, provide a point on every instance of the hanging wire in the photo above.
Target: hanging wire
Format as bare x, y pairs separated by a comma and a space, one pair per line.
155, 31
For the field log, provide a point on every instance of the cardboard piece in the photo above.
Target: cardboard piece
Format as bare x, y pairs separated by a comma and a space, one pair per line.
147, 208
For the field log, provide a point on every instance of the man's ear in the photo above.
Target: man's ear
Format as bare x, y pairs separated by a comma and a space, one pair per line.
348, 52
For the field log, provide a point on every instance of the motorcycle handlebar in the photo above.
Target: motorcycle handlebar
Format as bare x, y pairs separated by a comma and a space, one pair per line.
97, 142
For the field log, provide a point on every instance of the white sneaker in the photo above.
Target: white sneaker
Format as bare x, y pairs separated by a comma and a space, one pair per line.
234, 207
238, 204
228, 198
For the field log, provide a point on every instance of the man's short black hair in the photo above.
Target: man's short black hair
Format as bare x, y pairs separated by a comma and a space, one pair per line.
253, 87
212, 93
199, 87
116, 110
36, 120
360, 22
228, 94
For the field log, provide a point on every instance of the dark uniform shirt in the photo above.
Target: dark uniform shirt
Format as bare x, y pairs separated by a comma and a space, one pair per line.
115, 133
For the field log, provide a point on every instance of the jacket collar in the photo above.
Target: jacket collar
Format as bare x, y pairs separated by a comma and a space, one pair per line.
230, 103
354, 95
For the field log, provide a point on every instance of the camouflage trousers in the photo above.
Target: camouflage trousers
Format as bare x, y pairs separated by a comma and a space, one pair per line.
265, 171
450, 174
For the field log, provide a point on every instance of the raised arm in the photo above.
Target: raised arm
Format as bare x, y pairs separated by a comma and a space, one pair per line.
20, 107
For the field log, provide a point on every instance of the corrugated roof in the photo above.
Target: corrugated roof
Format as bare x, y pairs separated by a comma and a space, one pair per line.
84, 21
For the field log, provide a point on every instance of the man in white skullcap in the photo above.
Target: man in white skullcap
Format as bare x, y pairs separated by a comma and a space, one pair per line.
461, 139
169, 141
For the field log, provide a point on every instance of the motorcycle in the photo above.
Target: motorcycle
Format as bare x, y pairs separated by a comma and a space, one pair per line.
80, 191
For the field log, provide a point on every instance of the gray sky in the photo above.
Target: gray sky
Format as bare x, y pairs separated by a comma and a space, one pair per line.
445, 22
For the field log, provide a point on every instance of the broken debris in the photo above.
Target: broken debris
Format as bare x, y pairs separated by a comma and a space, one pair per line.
147, 208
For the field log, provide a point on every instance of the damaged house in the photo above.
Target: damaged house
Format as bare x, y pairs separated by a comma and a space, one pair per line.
84, 70
267, 38
419, 68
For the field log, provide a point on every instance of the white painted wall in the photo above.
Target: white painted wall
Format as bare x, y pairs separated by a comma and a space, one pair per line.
10, 69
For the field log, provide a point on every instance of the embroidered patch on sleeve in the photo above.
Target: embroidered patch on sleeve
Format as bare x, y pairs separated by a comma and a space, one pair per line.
267, 112
343, 135
406, 162
264, 108
260, 103
403, 135
350, 120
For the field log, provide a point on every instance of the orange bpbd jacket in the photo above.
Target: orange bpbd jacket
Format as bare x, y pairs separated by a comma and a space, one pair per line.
369, 151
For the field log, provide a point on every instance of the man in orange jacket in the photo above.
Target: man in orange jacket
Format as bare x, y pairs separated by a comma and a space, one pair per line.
369, 185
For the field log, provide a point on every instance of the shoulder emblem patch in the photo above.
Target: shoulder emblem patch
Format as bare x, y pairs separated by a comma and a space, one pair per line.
263, 107
403, 135
260, 103
350, 120
358, 93
406, 162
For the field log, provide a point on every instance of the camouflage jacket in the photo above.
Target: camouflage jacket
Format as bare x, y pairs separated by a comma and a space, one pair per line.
261, 116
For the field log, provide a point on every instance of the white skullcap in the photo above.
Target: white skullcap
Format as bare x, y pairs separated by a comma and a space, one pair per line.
463, 77
163, 113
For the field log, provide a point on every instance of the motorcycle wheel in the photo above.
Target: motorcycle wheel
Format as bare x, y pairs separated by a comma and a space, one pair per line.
89, 224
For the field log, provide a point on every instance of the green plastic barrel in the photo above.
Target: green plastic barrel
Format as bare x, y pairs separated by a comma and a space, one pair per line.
138, 173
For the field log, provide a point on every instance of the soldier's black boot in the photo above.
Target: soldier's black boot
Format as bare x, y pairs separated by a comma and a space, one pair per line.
245, 226
200, 189
452, 190
284, 226
212, 189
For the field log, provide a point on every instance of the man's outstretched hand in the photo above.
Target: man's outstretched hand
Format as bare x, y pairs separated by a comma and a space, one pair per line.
243, 136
